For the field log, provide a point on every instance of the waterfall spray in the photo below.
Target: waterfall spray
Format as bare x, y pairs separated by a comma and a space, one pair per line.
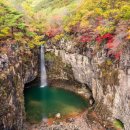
43, 69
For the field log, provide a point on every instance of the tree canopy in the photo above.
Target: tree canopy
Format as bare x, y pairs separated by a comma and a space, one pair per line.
85, 20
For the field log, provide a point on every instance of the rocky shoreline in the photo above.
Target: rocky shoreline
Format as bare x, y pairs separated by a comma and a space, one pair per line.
73, 123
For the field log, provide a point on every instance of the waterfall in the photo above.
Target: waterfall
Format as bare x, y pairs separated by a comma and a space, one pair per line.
43, 69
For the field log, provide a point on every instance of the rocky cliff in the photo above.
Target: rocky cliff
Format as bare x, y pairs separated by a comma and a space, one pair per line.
16, 71
110, 83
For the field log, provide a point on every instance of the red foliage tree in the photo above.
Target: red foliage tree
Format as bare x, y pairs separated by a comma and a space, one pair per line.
53, 32
108, 37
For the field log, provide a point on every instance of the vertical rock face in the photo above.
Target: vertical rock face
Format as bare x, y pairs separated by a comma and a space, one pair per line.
117, 98
121, 108
82, 69
112, 88
12, 80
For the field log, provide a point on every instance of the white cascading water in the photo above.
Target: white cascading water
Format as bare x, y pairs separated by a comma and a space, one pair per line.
43, 69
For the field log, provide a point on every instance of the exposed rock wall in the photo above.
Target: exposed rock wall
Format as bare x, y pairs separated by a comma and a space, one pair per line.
81, 68
21, 70
121, 108
113, 89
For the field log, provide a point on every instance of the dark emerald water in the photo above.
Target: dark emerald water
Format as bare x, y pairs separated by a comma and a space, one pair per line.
48, 101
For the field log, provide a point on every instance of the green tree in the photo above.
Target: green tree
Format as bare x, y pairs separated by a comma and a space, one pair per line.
10, 20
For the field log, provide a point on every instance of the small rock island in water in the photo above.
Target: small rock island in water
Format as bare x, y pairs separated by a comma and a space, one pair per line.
65, 65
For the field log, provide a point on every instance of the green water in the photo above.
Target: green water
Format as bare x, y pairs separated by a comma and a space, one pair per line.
48, 101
